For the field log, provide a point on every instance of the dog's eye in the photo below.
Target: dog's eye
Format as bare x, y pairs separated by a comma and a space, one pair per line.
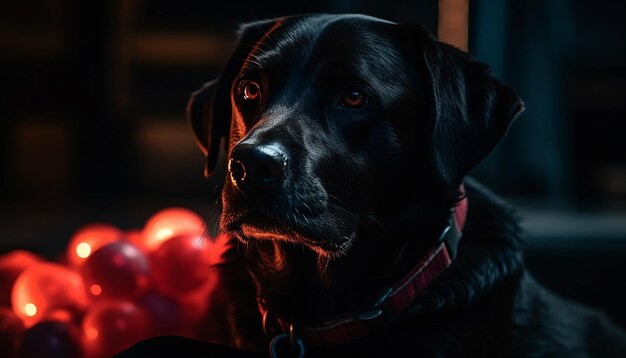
251, 91
354, 98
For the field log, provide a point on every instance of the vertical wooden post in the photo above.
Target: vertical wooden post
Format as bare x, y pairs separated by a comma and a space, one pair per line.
452, 27
120, 61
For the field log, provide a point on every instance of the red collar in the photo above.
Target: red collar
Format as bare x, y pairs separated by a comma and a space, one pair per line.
392, 302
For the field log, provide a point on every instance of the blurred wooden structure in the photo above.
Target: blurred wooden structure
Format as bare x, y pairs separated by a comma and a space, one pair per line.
453, 22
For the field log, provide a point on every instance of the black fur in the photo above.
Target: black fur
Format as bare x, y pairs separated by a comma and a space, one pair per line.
367, 191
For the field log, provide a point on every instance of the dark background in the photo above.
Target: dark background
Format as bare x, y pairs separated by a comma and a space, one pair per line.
92, 98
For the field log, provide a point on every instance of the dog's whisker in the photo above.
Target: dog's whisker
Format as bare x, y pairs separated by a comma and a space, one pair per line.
249, 61
256, 44
298, 214
345, 212
322, 265
337, 199
381, 226
256, 58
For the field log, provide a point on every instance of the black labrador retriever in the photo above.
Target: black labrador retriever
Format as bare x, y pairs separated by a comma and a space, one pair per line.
355, 231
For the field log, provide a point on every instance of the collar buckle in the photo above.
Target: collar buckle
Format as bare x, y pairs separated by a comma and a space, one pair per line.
287, 345
378, 308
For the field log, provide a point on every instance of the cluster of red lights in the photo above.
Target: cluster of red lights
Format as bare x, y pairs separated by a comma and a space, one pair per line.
111, 289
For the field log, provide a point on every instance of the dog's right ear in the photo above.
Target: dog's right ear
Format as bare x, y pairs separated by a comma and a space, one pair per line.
209, 108
470, 111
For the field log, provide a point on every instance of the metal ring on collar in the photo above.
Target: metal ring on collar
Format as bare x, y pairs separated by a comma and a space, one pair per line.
294, 347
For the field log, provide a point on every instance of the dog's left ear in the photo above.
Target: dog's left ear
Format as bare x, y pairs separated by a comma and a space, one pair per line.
208, 109
197, 108
471, 110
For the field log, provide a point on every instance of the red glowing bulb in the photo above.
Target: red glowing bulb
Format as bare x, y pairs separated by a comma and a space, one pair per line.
181, 264
12, 265
112, 326
46, 287
117, 270
168, 223
88, 239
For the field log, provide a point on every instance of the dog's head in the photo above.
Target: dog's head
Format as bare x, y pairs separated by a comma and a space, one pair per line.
333, 120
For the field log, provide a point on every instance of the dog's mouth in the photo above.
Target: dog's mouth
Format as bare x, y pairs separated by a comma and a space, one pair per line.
250, 226
261, 227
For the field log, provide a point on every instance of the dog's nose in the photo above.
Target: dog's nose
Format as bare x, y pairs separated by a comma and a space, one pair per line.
257, 167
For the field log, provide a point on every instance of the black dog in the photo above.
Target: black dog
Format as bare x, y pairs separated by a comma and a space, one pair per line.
348, 140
